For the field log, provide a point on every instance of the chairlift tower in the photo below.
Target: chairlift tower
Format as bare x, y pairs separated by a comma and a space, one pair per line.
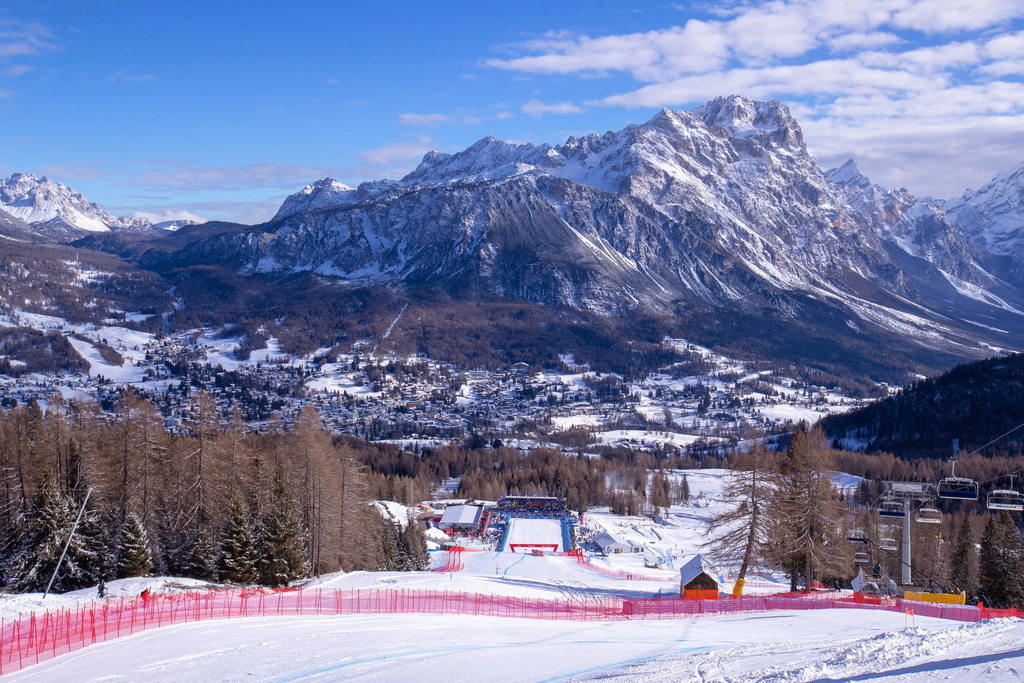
907, 492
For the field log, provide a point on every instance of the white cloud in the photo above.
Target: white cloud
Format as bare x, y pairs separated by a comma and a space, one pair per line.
180, 175
382, 161
536, 108
424, 120
827, 77
19, 70
925, 93
858, 41
18, 38
133, 78
940, 16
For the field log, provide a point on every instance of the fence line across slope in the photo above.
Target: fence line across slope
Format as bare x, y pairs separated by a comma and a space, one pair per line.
33, 638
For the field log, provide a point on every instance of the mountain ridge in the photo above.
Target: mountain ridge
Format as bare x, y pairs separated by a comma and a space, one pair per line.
717, 220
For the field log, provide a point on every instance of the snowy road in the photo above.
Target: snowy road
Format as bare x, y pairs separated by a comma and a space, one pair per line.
829, 645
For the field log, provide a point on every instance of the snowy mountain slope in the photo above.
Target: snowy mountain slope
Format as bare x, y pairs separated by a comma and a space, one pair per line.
993, 216
720, 208
804, 645
15, 228
58, 209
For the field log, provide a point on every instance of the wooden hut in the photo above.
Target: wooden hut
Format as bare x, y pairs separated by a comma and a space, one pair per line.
696, 580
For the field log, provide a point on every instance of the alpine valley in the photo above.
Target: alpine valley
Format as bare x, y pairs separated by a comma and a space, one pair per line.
713, 225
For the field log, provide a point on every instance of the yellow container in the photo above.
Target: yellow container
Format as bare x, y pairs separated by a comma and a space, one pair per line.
943, 598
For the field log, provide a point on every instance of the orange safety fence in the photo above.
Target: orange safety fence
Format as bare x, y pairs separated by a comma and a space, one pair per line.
33, 638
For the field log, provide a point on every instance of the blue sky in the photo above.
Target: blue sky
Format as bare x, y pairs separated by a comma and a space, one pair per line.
221, 109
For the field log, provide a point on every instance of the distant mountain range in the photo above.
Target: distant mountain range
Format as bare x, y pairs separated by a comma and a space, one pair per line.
716, 220
56, 211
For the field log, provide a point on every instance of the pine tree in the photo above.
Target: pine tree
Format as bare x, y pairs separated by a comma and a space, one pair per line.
201, 562
806, 520
282, 540
684, 490
45, 530
387, 542
1000, 582
659, 493
742, 532
963, 559
134, 555
415, 547
237, 549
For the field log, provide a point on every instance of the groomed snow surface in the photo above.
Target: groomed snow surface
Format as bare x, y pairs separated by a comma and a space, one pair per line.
811, 645
826, 645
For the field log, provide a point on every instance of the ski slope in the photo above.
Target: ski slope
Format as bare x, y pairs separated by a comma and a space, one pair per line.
825, 645
525, 535
780, 646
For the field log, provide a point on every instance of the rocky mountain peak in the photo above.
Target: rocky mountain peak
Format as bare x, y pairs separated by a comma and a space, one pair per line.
318, 196
41, 201
744, 117
849, 175
993, 215
487, 156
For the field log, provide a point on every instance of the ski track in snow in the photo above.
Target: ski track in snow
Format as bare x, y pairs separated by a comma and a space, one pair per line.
776, 647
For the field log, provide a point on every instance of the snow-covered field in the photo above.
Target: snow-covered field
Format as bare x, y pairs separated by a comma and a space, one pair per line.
813, 645
824, 645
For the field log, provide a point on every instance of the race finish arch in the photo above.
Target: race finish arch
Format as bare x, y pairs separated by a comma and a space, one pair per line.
529, 535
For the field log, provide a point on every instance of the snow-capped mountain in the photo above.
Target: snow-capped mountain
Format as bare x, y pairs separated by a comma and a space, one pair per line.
720, 208
57, 208
993, 217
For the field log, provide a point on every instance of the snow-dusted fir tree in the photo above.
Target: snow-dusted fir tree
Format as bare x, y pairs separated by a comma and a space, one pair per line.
963, 559
742, 532
134, 556
237, 547
44, 530
202, 554
389, 542
414, 547
1001, 563
282, 541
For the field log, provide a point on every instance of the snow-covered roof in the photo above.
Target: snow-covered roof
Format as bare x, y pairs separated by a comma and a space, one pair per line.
694, 568
461, 515
605, 540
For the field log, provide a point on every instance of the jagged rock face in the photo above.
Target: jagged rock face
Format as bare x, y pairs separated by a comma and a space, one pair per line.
57, 209
721, 205
993, 217
918, 227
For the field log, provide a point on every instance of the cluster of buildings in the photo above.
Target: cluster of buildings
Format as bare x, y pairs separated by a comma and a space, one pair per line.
421, 402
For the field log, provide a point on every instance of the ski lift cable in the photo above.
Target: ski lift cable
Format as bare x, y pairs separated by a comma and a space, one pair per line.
939, 470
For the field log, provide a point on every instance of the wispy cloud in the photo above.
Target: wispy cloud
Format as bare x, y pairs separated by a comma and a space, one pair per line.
122, 77
178, 175
394, 159
247, 212
463, 117
861, 73
536, 108
424, 120
19, 70
18, 38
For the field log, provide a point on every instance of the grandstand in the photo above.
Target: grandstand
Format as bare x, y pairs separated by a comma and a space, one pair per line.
534, 524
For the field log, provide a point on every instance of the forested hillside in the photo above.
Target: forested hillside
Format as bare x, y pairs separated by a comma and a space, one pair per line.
975, 403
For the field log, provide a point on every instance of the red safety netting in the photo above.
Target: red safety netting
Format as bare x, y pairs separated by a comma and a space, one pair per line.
618, 573
34, 638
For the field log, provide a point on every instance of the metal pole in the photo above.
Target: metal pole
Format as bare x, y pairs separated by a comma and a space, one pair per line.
68, 542
906, 541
